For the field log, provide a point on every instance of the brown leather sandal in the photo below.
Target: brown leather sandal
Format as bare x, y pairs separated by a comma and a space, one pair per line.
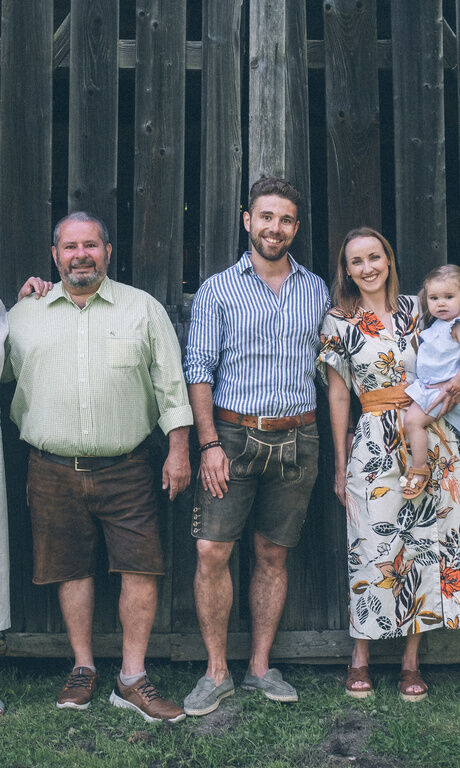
358, 675
407, 679
413, 487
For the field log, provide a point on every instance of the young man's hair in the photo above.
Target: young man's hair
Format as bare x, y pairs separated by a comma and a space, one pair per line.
272, 185
443, 272
81, 216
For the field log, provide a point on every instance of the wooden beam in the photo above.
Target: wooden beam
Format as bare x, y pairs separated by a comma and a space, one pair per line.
418, 98
25, 142
221, 150
193, 50
93, 112
267, 89
127, 54
159, 149
352, 119
325, 647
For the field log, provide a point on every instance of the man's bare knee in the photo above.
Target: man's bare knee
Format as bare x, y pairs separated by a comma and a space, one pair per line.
213, 556
269, 556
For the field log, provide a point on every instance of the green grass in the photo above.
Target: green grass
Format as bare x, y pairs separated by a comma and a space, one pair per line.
326, 728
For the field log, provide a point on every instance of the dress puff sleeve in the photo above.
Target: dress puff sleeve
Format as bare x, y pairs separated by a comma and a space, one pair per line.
332, 351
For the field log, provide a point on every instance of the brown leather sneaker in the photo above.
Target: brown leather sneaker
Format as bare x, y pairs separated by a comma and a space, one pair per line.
144, 698
78, 689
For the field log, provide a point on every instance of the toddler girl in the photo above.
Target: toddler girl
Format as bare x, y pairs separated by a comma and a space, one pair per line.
438, 359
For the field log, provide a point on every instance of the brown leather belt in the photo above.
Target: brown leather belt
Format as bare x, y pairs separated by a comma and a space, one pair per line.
266, 423
87, 463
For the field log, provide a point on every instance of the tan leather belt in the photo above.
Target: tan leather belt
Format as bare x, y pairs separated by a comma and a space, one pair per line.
266, 423
395, 398
385, 399
388, 399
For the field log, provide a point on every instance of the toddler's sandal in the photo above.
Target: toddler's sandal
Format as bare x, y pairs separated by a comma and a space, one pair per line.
413, 487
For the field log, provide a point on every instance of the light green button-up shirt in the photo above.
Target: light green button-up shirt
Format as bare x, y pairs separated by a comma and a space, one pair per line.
94, 381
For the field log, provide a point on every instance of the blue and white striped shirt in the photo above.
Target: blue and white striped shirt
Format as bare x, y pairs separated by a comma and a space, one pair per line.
255, 348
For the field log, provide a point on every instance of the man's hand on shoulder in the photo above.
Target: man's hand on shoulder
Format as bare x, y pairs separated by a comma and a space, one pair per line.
215, 471
35, 285
176, 472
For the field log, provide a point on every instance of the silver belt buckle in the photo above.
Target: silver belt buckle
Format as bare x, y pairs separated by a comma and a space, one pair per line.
76, 467
259, 422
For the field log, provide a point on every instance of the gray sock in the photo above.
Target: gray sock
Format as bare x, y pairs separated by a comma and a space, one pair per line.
88, 666
131, 679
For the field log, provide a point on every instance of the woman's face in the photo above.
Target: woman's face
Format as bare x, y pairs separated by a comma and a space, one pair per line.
367, 265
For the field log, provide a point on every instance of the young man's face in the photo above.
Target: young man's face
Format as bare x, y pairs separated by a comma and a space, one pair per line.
272, 226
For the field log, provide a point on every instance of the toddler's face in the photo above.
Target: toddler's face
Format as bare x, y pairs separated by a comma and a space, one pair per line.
443, 299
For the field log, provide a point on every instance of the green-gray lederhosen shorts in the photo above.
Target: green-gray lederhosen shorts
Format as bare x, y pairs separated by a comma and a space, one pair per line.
271, 473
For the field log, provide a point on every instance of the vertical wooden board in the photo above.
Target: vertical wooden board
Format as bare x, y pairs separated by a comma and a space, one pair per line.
93, 112
184, 560
458, 66
221, 148
166, 514
159, 148
418, 98
267, 89
25, 142
334, 568
297, 129
352, 118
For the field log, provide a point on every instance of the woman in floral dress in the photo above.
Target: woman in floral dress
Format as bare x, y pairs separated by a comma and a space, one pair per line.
403, 555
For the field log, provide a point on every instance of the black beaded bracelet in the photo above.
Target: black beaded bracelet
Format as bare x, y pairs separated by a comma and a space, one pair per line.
212, 444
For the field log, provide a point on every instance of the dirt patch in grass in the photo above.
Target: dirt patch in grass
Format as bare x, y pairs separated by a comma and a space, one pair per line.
345, 744
224, 718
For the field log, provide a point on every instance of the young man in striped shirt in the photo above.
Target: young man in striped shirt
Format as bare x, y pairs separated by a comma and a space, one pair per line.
250, 368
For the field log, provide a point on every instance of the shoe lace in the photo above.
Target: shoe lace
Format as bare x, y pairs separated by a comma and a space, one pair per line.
79, 679
149, 691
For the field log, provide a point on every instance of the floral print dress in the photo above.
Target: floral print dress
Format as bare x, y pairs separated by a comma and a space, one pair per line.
403, 555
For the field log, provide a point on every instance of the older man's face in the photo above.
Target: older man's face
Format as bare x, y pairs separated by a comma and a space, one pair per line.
80, 255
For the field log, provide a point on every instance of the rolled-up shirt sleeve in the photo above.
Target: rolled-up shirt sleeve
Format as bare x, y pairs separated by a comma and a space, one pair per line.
204, 341
166, 373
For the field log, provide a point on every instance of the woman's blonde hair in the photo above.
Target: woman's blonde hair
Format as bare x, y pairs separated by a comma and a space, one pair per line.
444, 272
345, 292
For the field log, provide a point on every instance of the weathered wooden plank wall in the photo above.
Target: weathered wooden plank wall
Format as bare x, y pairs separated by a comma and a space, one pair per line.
159, 149
297, 124
25, 147
93, 111
352, 119
419, 138
221, 150
270, 91
267, 89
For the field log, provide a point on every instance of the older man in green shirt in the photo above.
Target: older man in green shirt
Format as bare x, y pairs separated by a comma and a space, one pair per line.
97, 365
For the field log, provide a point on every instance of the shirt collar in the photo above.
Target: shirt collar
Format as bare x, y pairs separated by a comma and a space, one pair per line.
105, 292
244, 264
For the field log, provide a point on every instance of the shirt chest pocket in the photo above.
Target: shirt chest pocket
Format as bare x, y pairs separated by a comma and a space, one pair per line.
122, 353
